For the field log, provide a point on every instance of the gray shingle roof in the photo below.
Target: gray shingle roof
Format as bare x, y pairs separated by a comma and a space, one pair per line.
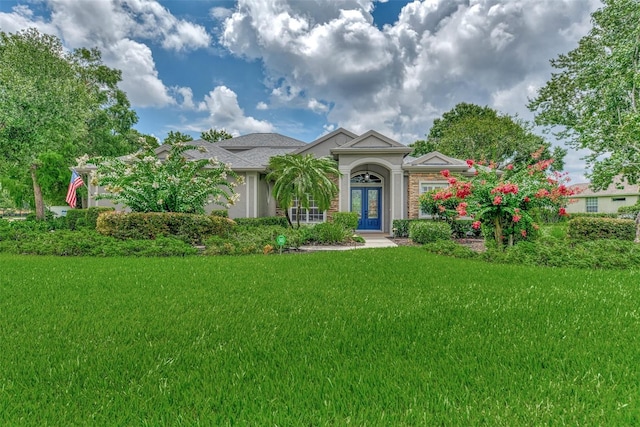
214, 150
261, 140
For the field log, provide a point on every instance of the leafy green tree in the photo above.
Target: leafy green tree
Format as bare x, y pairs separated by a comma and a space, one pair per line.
55, 102
144, 183
173, 137
303, 178
469, 131
215, 135
593, 98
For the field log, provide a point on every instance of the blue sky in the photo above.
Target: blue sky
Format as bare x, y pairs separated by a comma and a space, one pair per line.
305, 67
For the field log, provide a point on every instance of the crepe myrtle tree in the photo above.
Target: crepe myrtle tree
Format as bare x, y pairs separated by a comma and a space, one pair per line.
303, 179
504, 201
145, 183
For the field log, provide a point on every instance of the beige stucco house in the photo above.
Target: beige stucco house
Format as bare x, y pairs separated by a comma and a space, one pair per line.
603, 201
379, 181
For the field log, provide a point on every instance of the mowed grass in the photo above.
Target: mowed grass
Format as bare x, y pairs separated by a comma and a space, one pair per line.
384, 337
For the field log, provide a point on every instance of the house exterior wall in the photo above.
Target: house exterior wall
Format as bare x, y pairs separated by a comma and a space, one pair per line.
239, 209
606, 204
413, 190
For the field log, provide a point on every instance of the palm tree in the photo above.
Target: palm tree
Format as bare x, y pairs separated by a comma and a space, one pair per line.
303, 178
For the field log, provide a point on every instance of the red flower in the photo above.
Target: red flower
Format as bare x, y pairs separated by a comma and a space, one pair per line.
441, 208
445, 173
524, 233
497, 200
562, 212
510, 167
527, 199
452, 180
516, 218
543, 192
476, 225
470, 163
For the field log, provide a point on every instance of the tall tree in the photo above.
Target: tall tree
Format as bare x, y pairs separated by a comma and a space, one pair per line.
177, 136
55, 102
469, 131
305, 179
215, 135
593, 98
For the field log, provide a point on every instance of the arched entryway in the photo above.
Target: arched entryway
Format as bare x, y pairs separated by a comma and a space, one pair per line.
366, 199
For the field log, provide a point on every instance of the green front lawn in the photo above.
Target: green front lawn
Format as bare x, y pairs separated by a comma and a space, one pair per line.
370, 337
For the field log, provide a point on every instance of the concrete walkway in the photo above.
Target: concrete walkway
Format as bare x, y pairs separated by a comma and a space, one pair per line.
372, 240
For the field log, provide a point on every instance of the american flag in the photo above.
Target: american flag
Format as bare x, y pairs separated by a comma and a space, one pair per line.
76, 182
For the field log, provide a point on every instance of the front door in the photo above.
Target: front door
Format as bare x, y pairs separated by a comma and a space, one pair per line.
365, 201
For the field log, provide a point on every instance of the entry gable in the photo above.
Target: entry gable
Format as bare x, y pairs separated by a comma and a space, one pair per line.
436, 161
436, 158
373, 139
322, 146
373, 142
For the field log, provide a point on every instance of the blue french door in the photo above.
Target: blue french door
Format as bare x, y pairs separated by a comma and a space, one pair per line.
365, 201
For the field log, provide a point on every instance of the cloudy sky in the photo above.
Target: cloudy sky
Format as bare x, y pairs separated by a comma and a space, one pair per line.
305, 67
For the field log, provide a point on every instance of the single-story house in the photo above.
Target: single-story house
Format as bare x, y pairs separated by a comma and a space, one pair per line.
603, 201
379, 181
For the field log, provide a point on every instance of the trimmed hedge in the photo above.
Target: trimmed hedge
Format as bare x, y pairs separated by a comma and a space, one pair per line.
263, 221
584, 229
460, 228
77, 218
347, 220
594, 215
428, 232
190, 228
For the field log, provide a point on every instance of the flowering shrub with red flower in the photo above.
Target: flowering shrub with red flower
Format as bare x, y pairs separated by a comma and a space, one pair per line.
503, 201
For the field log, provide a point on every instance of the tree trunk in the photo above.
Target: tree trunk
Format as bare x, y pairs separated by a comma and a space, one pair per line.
637, 239
286, 214
37, 193
497, 232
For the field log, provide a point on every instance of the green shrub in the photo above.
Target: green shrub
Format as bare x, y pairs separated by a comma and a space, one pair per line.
260, 222
252, 240
585, 229
73, 216
551, 252
462, 228
594, 215
220, 212
327, 233
348, 220
92, 214
400, 227
629, 211
78, 218
90, 243
191, 228
431, 231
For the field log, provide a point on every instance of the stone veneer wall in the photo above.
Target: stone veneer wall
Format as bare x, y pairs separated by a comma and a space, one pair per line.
413, 197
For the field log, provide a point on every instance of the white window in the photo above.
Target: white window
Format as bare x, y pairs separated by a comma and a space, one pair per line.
592, 204
311, 215
429, 186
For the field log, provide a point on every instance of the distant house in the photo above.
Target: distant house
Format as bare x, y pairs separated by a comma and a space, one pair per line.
603, 201
380, 181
